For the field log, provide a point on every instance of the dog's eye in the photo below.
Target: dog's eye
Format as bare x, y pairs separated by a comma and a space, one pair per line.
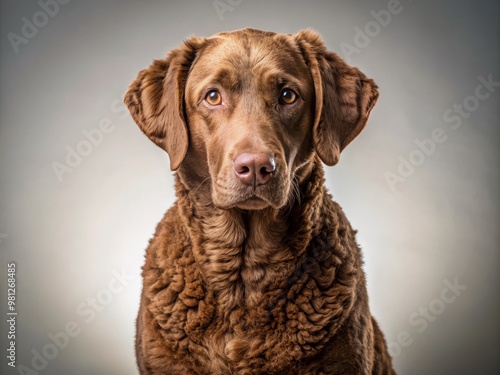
288, 96
213, 97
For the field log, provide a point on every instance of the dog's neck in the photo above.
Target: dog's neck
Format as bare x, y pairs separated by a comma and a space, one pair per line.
242, 252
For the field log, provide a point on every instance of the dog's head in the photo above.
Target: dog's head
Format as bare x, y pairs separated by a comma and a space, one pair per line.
243, 112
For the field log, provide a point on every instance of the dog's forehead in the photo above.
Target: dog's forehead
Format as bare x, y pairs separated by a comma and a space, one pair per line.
245, 50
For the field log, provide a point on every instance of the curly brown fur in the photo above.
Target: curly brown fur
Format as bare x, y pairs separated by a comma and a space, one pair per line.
254, 277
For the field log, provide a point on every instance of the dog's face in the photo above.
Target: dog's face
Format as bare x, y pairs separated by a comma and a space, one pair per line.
243, 112
250, 107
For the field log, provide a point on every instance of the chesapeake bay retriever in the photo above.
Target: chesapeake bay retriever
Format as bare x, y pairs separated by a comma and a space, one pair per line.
255, 269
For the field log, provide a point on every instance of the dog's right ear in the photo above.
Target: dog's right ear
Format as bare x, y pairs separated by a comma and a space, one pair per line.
156, 100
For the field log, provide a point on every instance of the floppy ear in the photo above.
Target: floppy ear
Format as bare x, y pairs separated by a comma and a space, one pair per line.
156, 100
344, 98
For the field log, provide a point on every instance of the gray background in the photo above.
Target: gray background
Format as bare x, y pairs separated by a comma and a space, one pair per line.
68, 237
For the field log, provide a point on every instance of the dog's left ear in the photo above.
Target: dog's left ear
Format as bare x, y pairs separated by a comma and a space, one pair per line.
156, 100
344, 97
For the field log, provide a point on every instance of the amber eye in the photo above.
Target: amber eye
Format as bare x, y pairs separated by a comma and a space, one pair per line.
213, 97
288, 96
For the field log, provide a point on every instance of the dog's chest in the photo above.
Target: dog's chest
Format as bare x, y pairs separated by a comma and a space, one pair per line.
244, 339
230, 338
207, 316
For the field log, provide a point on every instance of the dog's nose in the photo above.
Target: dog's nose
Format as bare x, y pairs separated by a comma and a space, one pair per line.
254, 169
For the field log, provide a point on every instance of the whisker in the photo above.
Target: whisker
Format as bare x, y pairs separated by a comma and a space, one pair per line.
201, 183
295, 195
296, 191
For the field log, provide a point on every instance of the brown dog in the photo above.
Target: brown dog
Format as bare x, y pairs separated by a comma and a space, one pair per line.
254, 270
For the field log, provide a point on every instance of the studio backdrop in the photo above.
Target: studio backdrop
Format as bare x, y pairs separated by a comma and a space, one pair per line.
82, 189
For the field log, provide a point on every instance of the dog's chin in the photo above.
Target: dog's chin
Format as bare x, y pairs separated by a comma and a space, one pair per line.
253, 203
250, 204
